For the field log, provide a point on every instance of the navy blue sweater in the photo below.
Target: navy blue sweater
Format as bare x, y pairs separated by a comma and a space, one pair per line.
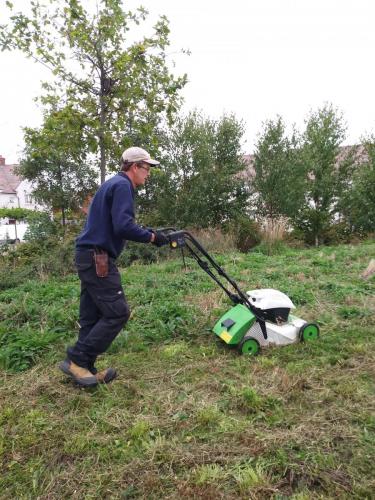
110, 221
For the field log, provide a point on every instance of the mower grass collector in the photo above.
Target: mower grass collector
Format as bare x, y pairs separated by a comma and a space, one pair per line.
259, 318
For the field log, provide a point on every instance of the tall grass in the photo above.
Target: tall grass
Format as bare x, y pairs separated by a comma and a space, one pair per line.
215, 240
273, 234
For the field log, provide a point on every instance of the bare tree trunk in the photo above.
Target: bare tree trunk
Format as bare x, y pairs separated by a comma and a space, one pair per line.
101, 143
63, 218
102, 118
63, 197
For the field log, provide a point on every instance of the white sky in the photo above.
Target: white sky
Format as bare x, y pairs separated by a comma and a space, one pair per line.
256, 58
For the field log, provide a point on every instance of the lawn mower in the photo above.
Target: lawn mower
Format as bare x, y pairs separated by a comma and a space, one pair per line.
259, 318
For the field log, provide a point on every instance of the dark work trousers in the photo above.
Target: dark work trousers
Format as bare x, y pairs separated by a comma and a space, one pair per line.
103, 310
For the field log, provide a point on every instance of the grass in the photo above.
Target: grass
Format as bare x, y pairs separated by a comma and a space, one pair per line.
188, 418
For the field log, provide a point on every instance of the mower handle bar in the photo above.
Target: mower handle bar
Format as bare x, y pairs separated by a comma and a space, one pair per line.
241, 297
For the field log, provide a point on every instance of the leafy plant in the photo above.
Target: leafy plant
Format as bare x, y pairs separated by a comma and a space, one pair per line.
199, 185
278, 184
246, 233
56, 160
327, 173
99, 71
358, 203
40, 227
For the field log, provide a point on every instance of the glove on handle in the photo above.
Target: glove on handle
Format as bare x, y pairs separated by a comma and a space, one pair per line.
160, 239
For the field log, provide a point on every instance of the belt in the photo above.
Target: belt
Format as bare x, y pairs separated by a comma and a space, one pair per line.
82, 248
93, 248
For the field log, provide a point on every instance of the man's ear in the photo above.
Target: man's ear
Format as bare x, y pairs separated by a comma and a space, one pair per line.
131, 169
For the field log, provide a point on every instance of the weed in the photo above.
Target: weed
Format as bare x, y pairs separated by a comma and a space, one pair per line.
248, 477
208, 417
210, 473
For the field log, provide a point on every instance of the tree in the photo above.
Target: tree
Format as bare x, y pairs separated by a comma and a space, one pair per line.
358, 202
278, 184
198, 184
56, 161
327, 173
124, 88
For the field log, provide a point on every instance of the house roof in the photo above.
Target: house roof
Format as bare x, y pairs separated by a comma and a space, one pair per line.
360, 156
249, 170
9, 181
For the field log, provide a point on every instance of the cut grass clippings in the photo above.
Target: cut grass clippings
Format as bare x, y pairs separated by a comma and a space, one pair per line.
188, 417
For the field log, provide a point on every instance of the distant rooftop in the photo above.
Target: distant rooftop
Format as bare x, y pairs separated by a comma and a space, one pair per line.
8, 179
358, 150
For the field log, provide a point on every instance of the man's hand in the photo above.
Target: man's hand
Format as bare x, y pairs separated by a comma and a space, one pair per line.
159, 239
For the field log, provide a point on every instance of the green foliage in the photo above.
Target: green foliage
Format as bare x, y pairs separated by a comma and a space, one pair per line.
321, 187
157, 291
246, 233
341, 232
16, 213
38, 315
327, 174
123, 88
358, 202
278, 185
146, 254
198, 185
40, 227
295, 422
39, 258
271, 247
56, 161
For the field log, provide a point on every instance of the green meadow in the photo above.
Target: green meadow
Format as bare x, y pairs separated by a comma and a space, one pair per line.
188, 417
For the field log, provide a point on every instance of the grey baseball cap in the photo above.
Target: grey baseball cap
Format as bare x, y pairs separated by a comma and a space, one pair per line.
134, 154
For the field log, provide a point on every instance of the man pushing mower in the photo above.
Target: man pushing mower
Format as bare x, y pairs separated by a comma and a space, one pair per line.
103, 307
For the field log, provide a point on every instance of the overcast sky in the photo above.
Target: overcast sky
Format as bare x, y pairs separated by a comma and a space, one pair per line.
256, 58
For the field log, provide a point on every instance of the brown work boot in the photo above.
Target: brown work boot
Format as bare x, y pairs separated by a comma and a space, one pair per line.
80, 375
106, 376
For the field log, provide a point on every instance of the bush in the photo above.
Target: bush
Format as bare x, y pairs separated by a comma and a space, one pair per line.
334, 234
146, 254
340, 232
246, 233
40, 227
37, 259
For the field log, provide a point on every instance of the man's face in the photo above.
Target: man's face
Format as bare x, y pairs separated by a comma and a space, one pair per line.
142, 171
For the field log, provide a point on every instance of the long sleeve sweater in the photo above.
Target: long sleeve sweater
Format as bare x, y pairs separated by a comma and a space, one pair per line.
110, 221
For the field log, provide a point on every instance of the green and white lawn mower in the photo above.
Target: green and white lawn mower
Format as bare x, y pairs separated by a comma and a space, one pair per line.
259, 318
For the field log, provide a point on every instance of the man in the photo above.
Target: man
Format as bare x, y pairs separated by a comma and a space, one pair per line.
103, 307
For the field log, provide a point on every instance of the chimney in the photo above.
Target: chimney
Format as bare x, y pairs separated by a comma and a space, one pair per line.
2, 161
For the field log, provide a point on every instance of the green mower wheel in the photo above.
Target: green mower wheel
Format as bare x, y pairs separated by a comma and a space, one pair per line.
249, 346
309, 331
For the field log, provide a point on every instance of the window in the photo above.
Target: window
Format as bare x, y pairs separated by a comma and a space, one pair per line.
28, 199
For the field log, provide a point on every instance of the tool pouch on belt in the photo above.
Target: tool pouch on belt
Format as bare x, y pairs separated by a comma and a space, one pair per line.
101, 263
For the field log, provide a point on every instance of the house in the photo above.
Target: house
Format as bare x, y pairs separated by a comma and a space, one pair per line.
248, 172
14, 191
